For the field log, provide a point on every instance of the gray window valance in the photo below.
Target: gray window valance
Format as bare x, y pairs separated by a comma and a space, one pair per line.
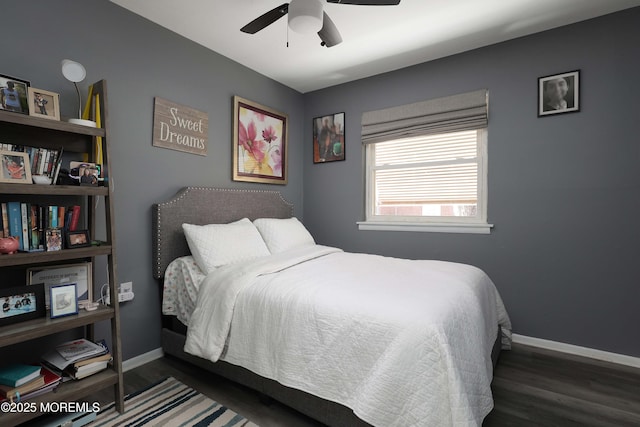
454, 113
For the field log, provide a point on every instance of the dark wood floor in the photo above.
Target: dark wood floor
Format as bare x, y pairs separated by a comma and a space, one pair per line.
536, 387
532, 387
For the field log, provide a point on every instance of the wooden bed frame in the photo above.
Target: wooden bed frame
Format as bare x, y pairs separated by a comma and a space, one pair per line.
205, 205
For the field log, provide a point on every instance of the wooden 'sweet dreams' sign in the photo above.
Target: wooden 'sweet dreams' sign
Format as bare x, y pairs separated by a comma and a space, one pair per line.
179, 127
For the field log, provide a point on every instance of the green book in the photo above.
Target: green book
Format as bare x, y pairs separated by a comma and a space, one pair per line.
18, 374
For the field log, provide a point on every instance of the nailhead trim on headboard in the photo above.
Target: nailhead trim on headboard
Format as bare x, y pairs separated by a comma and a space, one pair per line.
207, 205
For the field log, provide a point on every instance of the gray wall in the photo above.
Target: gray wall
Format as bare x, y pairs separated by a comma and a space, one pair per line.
563, 190
140, 60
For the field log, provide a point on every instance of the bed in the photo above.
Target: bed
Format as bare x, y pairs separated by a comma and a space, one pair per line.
301, 326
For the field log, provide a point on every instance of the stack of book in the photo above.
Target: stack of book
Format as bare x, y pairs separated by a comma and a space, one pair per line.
78, 359
21, 382
33, 224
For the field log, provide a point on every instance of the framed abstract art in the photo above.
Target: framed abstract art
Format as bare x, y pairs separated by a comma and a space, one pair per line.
260, 138
328, 138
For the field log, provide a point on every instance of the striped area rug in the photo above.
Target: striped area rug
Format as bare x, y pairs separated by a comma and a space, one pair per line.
170, 403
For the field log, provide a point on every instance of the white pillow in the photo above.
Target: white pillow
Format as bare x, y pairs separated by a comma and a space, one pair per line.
215, 245
283, 234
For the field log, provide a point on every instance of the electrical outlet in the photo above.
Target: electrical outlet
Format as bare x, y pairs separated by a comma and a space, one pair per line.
122, 295
126, 287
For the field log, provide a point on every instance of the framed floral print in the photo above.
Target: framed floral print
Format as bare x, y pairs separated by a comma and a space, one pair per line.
260, 138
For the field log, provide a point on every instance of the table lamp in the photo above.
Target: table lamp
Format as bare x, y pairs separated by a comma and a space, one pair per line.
75, 73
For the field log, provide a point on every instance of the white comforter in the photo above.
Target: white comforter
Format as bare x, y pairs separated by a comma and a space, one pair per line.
401, 342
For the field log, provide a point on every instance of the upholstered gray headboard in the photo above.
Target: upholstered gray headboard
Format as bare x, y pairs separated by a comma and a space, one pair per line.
206, 205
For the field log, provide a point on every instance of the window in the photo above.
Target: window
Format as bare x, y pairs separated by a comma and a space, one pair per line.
426, 180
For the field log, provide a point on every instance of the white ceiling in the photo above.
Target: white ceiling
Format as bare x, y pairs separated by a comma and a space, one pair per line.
376, 39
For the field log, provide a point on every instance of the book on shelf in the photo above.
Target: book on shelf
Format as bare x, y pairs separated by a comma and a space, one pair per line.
15, 221
77, 373
5, 220
79, 349
68, 353
45, 382
53, 216
83, 359
75, 218
29, 222
18, 374
31, 242
102, 358
56, 168
10, 393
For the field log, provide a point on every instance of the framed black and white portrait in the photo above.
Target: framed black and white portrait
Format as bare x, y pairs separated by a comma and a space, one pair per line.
559, 93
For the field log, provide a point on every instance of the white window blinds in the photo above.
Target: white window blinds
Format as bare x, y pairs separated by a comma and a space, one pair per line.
427, 170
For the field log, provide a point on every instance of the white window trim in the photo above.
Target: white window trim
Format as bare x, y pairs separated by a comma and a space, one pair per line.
432, 227
430, 224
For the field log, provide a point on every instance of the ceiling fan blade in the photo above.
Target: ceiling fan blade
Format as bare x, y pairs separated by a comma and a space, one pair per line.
266, 19
329, 33
367, 2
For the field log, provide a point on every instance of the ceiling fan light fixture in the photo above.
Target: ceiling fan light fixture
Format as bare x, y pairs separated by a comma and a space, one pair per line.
305, 16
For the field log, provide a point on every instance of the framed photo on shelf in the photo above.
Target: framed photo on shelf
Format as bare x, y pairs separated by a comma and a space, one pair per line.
77, 239
328, 138
22, 303
53, 239
13, 94
80, 274
64, 300
44, 104
15, 167
559, 93
86, 173
260, 139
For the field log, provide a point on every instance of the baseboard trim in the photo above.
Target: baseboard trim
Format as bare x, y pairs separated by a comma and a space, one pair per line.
621, 359
141, 359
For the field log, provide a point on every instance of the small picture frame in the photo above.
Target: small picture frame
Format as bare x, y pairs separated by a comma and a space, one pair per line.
86, 173
328, 138
559, 93
15, 167
77, 239
53, 239
13, 94
44, 104
21, 303
64, 300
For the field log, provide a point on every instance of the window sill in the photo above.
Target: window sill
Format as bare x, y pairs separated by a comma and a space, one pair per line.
442, 227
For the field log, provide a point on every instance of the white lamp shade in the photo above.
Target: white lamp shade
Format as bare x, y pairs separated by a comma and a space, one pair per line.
305, 16
73, 71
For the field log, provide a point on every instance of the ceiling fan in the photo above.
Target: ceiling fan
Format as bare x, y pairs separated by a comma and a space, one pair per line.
307, 16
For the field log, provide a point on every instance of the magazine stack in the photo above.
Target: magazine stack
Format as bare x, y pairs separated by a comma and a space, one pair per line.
78, 359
